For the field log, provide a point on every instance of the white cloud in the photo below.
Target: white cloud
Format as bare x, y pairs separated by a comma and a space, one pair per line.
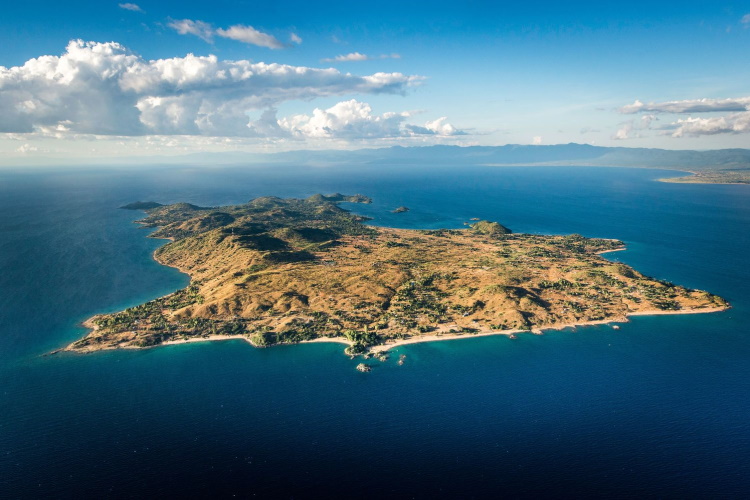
238, 32
189, 27
735, 123
354, 120
624, 132
688, 106
27, 148
130, 6
646, 120
745, 20
102, 88
441, 127
349, 119
356, 56
248, 34
631, 129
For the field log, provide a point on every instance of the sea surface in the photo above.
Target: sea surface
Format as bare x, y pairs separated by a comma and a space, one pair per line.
658, 408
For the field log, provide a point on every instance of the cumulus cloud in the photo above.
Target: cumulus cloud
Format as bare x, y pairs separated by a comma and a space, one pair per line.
439, 127
354, 120
688, 106
102, 88
248, 34
442, 127
735, 123
346, 119
295, 38
190, 27
356, 56
624, 132
631, 129
130, 6
27, 148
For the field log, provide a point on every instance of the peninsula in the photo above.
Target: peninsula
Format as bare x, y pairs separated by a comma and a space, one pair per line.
276, 271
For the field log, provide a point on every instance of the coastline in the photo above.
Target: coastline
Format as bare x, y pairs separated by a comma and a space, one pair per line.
677, 180
209, 338
682, 179
701, 177
621, 249
418, 339
535, 331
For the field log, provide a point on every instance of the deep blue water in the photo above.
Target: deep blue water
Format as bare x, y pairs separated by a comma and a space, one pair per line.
659, 408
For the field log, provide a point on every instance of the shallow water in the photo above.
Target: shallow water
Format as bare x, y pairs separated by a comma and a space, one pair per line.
657, 408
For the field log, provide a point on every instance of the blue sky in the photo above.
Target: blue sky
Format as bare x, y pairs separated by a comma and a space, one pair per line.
485, 73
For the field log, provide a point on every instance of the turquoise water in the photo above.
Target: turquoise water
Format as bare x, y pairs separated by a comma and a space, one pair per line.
657, 408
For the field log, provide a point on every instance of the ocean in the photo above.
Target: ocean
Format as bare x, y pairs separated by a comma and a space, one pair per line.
658, 408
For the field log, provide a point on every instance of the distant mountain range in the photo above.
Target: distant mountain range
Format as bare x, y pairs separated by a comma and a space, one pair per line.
722, 161
561, 154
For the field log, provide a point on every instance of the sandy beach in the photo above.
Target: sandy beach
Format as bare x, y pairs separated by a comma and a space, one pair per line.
210, 338
613, 250
336, 340
390, 344
535, 331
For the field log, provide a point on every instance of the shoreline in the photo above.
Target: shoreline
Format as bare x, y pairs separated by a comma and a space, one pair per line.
415, 340
668, 180
536, 331
213, 338
671, 180
209, 338
621, 249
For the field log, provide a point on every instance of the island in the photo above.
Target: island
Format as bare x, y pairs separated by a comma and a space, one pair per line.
279, 271
400, 210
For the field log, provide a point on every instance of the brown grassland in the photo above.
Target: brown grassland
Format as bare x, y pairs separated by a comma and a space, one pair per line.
286, 270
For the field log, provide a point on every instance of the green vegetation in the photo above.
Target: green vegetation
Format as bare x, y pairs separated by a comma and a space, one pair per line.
490, 228
360, 340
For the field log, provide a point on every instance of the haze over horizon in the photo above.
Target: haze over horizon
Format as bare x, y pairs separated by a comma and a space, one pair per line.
121, 79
